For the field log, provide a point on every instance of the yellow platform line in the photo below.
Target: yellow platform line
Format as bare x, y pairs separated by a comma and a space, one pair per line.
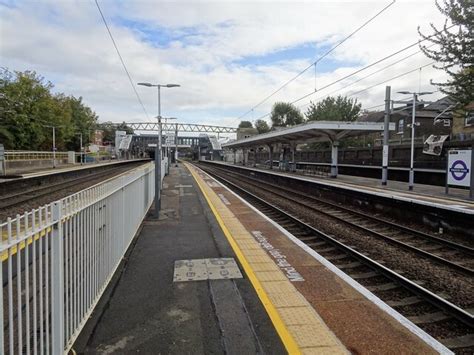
23, 243
287, 339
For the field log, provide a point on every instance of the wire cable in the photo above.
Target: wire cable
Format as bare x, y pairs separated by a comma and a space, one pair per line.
392, 78
318, 60
367, 76
121, 59
357, 92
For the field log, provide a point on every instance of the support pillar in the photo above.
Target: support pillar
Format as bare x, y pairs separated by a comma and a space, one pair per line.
235, 155
245, 157
270, 148
293, 152
176, 146
281, 163
255, 157
334, 152
386, 134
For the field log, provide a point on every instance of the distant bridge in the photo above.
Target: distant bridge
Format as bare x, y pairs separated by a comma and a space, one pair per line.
180, 127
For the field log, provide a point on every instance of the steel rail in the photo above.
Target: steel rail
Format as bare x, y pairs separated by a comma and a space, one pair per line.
465, 270
38, 192
439, 302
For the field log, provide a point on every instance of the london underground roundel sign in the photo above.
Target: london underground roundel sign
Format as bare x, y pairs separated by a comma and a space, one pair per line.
459, 167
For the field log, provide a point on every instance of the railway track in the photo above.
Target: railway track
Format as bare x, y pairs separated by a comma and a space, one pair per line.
450, 324
457, 256
24, 196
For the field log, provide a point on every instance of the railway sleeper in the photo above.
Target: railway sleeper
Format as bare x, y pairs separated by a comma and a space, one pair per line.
316, 244
351, 265
336, 257
407, 301
465, 341
432, 247
364, 275
383, 287
429, 318
326, 250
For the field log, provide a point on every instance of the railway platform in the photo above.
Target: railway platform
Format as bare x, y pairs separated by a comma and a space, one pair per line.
428, 195
61, 169
214, 275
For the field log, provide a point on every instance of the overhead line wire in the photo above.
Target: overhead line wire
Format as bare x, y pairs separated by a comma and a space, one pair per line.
371, 74
121, 59
393, 78
318, 60
362, 69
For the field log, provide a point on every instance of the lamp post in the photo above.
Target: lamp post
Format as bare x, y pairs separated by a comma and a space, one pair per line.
54, 143
158, 147
81, 149
411, 179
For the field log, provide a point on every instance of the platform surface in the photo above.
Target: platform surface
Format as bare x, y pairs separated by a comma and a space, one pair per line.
286, 301
457, 200
147, 312
60, 169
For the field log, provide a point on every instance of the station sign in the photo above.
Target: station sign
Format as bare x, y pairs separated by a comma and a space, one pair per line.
170, 139
459, 167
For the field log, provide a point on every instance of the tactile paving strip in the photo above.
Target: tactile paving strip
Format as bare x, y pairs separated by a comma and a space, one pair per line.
309, 333
206, 269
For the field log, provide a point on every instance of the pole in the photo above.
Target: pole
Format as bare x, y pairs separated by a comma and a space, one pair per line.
471, 188
158, 163
54, 147
81, 156
411, 178
386, 133
176, 146
446, 187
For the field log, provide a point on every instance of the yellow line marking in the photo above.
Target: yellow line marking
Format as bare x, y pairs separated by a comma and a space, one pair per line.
23, 243
285, 336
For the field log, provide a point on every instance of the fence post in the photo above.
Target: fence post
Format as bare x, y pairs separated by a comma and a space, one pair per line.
57, 281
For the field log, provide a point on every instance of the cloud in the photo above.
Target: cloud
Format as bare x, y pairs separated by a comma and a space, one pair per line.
226, 55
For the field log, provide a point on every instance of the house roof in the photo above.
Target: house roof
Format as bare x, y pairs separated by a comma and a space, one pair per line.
432, 110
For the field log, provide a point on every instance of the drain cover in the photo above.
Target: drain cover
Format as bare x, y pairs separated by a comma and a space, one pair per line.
204, 269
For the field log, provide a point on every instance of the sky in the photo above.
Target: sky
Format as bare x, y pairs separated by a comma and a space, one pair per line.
227, 55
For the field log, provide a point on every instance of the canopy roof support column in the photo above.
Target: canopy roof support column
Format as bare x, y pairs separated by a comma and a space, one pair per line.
235, 155
270, 150
334, 152
293, 152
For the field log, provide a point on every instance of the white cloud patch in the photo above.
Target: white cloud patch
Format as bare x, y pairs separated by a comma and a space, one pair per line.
204, 47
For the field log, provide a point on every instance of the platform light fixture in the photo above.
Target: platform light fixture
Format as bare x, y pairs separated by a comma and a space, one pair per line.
411, 179
158, 146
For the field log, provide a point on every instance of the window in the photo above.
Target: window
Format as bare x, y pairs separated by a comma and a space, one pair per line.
401, 126
469, 121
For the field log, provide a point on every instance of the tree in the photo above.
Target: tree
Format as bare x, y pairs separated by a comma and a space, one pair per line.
261, 126
245, 124
84, 121
109, 129
454, 50
334, 109
285, 114
28, 110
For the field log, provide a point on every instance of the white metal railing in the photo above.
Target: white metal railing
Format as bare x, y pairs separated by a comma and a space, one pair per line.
57, 260
15, 155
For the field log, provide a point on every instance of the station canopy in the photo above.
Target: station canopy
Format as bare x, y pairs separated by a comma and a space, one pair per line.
318, 131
